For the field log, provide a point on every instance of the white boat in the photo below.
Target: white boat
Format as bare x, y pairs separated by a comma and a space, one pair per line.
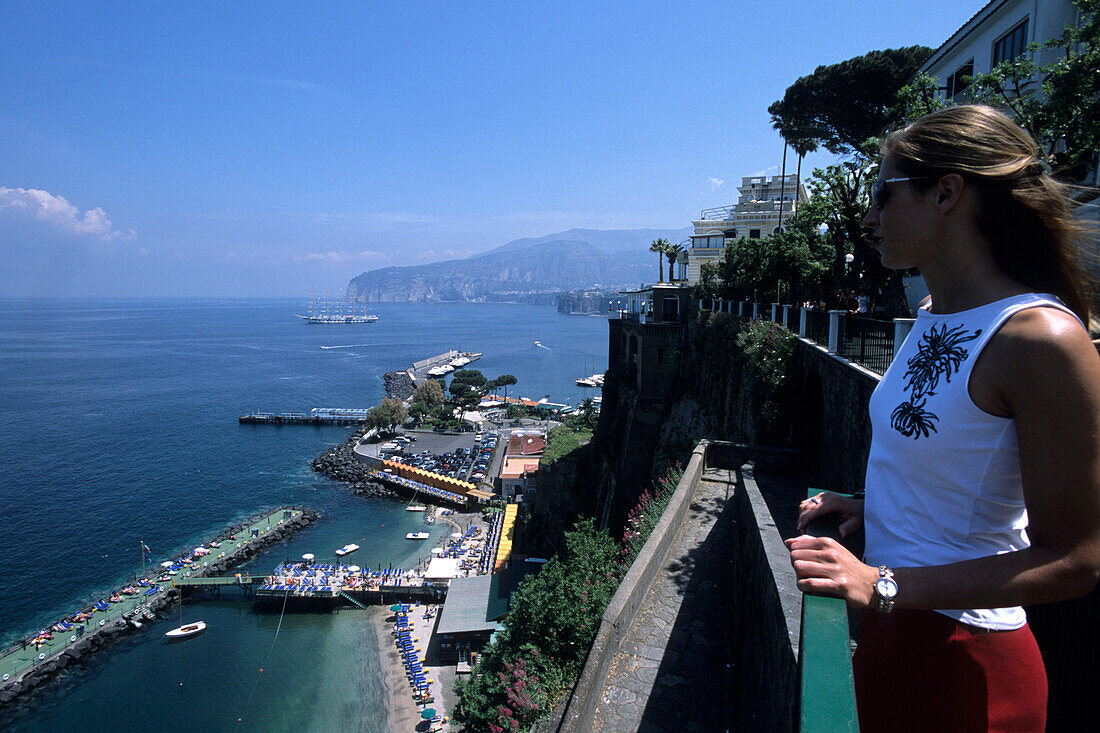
416, 508
417, 536
596, 380
440, 371
347, 550
338, 317
538, 343
187, 630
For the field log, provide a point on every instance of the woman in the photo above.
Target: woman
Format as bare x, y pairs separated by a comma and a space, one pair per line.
982, 480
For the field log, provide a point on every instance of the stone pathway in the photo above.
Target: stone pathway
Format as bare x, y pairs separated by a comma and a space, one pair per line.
675, 672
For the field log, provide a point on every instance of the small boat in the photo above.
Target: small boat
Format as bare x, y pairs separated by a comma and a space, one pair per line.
538, 343
187, 630
416, 508
346, 550
417, 536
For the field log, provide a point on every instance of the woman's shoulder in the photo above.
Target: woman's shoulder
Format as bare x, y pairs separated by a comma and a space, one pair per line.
1041, 345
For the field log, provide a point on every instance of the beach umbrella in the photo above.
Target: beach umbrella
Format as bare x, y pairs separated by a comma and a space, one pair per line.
427, 713
396, 607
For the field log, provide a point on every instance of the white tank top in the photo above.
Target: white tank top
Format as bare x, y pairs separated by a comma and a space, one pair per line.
943, 476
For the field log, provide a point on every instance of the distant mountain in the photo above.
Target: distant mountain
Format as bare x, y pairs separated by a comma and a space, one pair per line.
578, 258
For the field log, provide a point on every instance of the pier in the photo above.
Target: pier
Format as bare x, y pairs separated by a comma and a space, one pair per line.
316, 416
38, 657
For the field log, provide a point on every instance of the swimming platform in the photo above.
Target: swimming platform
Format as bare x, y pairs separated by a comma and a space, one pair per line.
42, 649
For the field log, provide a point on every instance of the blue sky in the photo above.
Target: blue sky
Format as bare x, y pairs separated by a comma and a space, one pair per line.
282, 148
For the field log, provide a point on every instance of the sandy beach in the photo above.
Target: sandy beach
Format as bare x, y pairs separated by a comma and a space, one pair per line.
402, 712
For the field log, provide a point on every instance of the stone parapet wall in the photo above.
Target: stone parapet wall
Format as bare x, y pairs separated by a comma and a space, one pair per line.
766, 614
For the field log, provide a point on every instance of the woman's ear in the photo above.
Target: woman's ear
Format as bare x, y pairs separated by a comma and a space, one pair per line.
949, 191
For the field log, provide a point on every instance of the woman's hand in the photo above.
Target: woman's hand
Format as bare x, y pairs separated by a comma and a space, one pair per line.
824, 567
825, 503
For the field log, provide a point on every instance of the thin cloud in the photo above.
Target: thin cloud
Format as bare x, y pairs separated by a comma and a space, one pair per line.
59, 213
715, 183
338, 258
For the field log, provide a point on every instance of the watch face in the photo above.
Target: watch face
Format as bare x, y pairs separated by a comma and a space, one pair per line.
886, 587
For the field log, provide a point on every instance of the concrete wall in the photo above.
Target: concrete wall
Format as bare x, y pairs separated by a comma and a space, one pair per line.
766, 614
831, 419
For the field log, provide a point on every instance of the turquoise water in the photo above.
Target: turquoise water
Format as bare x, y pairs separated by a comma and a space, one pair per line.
118, 424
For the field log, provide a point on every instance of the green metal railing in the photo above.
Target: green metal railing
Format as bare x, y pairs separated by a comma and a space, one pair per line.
827, 698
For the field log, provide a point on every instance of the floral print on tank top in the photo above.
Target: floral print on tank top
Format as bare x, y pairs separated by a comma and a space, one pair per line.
939, 354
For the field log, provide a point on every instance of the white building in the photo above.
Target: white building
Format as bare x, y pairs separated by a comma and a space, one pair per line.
998, 32
763, 205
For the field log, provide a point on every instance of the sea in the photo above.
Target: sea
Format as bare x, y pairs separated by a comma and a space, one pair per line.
118, 426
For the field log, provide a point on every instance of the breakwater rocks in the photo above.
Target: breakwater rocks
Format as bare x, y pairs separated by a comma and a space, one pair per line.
399, 385
89, 643
96, 637
341, 464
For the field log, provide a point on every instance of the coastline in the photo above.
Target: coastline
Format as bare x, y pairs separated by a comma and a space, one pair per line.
60, 654
402, 711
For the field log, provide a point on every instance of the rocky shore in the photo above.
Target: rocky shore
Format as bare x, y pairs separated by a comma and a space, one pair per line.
341, 464
399, 385
98, 637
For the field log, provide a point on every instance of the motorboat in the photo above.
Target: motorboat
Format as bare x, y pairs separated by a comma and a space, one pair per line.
416, 508
417, 536
187, 630
346, 550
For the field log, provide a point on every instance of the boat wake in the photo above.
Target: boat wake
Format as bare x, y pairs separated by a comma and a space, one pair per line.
345, 346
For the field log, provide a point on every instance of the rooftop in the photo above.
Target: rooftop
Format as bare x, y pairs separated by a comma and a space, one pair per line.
467, 606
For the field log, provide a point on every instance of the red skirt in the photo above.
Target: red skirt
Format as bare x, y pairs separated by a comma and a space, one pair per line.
923, 671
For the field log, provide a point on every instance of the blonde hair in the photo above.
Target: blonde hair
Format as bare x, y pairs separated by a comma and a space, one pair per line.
1022, 210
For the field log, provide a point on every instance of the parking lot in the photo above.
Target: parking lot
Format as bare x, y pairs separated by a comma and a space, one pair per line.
465, 456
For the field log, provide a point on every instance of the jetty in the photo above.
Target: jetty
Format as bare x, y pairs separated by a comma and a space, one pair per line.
311, 585
39, 657
316, 416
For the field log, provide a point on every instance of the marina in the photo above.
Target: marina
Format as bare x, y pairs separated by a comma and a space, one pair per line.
210, 469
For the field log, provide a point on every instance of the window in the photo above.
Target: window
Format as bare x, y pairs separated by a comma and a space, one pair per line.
959, 80
754, 234
714, 240
1011, 44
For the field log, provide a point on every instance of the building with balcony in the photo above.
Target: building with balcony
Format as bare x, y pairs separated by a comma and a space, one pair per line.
645, 332
764, 204
519, 470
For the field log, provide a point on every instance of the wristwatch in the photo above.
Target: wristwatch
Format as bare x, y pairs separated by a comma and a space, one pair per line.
886, 590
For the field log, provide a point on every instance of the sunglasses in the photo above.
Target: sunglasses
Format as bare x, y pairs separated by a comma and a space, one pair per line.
879, 194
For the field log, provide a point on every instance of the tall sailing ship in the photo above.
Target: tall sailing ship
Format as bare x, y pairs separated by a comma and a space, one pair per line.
338, 317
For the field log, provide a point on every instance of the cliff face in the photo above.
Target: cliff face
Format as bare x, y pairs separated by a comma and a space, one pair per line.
520, 270
714, 392
546, 267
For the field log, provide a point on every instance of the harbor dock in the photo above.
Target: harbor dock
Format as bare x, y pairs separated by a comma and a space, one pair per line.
38, 657
316, 416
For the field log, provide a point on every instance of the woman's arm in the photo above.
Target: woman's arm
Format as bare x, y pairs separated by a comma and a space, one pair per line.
1042, 369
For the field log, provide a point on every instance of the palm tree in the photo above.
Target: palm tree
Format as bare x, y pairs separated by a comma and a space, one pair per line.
588, 410
673, 252
660, 246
